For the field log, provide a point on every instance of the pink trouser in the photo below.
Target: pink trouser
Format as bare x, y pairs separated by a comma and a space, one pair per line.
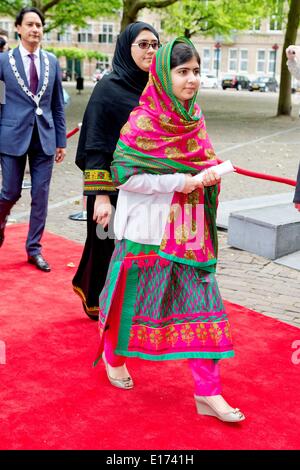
205, 372
206, 375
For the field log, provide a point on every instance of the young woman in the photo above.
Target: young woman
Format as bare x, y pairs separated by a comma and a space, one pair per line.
108, 109
161, 300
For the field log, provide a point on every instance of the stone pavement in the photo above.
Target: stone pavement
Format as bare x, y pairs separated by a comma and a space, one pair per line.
258, 283
243, 128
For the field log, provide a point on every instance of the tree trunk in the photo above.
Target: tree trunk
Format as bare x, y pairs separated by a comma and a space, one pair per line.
284, 101
131, 9
130, 12
187, 33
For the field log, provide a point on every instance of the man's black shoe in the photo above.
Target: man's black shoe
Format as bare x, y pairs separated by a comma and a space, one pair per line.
39, 262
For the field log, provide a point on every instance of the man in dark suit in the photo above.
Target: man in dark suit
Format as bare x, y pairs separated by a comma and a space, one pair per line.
32, 124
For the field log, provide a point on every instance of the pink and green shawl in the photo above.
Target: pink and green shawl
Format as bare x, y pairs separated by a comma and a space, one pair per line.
162, 136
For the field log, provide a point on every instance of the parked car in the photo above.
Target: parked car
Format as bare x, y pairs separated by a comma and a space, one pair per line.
65, 75
263, 84
238, 82
208, 81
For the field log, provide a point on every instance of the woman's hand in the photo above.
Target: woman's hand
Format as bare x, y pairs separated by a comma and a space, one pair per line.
210, 177
191, 184
102, 210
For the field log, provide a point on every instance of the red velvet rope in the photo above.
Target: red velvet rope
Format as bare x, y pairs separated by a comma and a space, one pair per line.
241, 171
74, 131
262, 176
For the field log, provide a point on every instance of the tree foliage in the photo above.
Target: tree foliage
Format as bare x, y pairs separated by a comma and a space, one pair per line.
214, 17
60, 13
75, 53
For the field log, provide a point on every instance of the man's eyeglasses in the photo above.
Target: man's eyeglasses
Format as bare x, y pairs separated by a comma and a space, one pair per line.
146, 45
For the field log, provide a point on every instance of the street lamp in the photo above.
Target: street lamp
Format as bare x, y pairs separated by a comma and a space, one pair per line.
218, 47
275, 47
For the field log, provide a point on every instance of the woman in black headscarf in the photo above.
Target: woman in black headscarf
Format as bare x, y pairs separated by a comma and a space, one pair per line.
108, 109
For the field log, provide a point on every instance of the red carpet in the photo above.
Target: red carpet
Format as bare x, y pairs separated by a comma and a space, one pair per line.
52, 397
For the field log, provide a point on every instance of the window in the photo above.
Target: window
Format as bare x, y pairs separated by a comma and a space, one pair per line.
85, 34
47, 36
243, 60
233, 60
65, 36
5, 25
256, 24
206, 60
217, 60
261, 59
272, 62
106, 35
275, 23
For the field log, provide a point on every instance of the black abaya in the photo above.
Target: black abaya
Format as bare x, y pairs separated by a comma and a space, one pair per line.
108, 109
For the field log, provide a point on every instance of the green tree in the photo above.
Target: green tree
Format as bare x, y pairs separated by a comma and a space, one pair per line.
64, 12
75, 53
213, 17
60, 13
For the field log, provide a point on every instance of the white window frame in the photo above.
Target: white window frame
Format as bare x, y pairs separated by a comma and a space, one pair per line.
277, 21
47, 37
215, 60
86, 34
271, 52
255, 22
6, 25
206, 60
241, 60
66, 36
258, 61
107, 34
230, 59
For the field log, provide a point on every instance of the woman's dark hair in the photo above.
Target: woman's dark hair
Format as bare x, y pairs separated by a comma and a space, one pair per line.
20, 15
182, 53
2, 44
